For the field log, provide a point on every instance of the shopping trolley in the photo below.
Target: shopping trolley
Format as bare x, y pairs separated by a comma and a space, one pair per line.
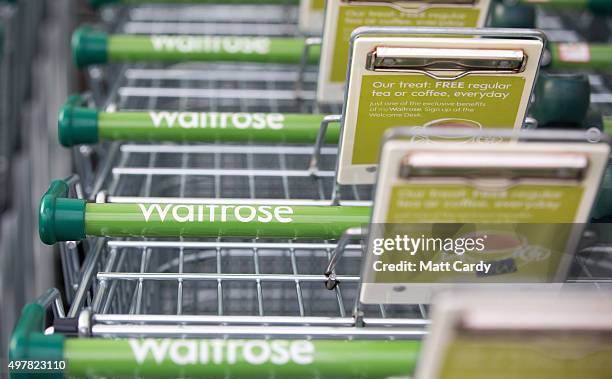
154, 295
258, 287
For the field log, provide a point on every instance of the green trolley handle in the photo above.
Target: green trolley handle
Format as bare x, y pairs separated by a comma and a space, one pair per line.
244, 358
69, 219
95, 47
592, 5
580, 56
82, 125
99, 3
29, 343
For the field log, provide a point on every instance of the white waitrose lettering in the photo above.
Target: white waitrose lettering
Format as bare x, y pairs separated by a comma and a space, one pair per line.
218, 352
215, 213
217, 120
211, 44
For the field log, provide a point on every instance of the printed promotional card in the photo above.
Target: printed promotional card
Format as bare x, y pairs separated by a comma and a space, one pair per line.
470, 214
534, 335
425, 81
342, 17
310, 21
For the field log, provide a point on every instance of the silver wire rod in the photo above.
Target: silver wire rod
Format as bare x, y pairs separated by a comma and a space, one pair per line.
210, 93
53, 297
201, 200
234, 12
212, 172
226, 245
109, 319
214, 276
229, 74
590, 281
226, 320
89, 269
102, 173
601, 98
313, 166
253, 331
208, 28
224, 149
597, 249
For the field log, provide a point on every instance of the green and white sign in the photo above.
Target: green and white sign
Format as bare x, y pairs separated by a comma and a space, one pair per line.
389, 101
423, 81
471, 214
343, 17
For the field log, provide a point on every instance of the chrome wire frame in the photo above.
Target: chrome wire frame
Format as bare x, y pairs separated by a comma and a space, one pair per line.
226, 19
224, 287
240, 288
214, 88
209, 19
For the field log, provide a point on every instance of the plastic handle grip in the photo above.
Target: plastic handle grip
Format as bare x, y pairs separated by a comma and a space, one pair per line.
226, 220
81, 125
60, 218
94, 47
76, 124
89, 46
552, 107
98, 3
597, 56
327, 358
28, 343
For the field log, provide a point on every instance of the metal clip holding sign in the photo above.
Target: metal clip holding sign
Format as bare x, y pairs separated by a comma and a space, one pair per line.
515, 191
432, 77
344, 16
451, 62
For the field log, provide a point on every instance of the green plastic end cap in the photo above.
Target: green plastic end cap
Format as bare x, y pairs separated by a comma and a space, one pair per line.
60, 218
554, 106
89, 46
77, 125
602, 6
603, 205
28, 343
98, 3
512, 16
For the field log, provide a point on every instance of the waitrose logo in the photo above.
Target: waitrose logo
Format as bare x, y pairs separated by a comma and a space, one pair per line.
212, 44
218, 120
216, 213
223, 352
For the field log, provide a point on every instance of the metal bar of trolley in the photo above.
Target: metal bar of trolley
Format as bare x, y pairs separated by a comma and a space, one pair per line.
98, 3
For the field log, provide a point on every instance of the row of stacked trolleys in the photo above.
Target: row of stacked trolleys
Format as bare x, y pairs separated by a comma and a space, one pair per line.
233, 162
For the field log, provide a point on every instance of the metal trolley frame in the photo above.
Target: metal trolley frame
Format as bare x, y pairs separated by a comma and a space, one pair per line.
219, 288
